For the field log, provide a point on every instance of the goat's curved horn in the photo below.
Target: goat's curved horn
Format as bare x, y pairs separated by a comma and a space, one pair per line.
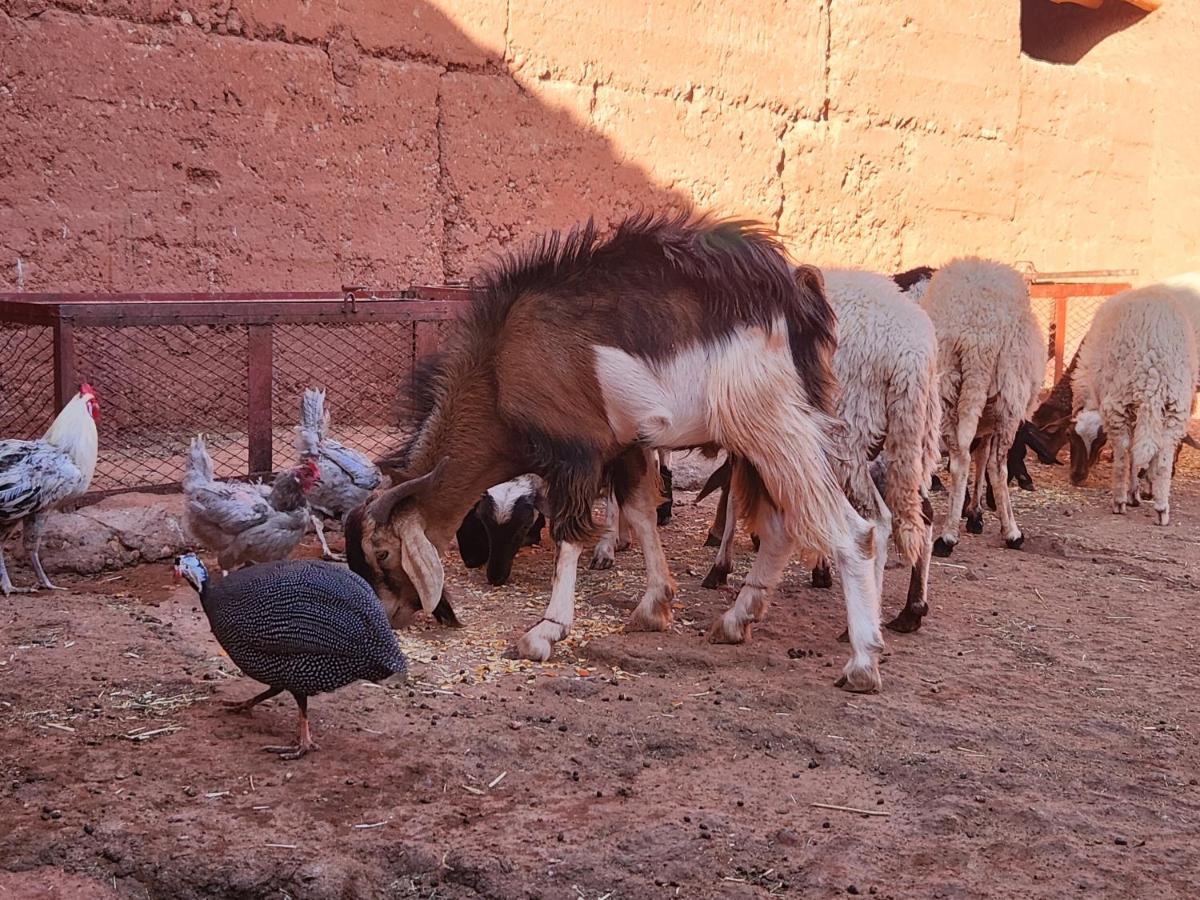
382, 507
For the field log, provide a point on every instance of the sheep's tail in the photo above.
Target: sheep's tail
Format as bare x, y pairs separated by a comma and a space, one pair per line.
912, 452
313, 422
199, 470
759, 411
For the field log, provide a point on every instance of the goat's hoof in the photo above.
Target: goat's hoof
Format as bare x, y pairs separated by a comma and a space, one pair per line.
531, 646
664, 518
1162, 517
602, 561
718, 576
975, 523
657, 620
822, 578
861, 678
1024, 482
1014, 543
726, 630
444, 614
909, 619
712, 540
943, 547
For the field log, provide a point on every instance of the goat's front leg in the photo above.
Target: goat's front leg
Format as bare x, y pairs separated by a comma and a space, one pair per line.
653, 613
775, 549
723, 564
538, 642
605, 554
32, 539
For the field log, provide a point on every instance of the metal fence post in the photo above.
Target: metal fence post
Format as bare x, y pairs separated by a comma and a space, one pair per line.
259, 384
1060, 335
66, 383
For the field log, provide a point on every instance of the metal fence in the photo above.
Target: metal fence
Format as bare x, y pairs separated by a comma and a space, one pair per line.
233, 366
230, 366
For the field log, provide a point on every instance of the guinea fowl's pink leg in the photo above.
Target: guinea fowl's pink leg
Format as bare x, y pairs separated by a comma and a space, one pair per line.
241, 706
305, 743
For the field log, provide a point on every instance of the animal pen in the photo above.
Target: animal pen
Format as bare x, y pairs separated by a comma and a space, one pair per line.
234, 365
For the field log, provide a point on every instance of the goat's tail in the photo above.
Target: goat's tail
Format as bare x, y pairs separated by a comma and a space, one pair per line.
759, 411
199, 469
911, 446
313, 421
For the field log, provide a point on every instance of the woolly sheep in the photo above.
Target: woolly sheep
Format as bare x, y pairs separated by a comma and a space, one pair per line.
991, 357
1136, 378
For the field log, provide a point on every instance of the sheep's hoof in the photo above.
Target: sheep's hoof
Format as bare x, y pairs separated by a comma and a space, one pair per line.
822, 577
909, 619
1134, 501
860, 679
712, 540
717, 577
975, 523
664, 517
1162, 517
1024, 482
844, 637
1118, 508
1014, 543
943, 548
726, 630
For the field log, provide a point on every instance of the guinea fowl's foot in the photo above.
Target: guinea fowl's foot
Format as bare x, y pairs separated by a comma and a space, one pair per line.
293, 752
333, 557
9, 590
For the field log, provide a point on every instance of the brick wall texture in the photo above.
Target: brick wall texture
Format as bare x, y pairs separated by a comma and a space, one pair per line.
301, 144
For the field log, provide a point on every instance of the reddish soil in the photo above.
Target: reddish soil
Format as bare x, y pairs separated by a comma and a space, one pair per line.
1037, 738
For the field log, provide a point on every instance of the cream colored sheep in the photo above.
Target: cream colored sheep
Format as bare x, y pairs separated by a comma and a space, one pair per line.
1136, 378
991, 359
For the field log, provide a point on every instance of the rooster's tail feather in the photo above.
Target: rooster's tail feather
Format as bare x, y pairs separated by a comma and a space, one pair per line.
199, 465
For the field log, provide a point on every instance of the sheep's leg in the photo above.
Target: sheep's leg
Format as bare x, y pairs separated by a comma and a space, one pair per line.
1160, 479
723, 564
538, 642
775, 549
916, 605
31, 537
998, 470
960, 460
859, 574
605, 554
973, 512
326, 553
1120, 467
653, 613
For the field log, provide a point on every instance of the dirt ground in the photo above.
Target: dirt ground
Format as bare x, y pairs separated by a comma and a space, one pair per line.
1037, 738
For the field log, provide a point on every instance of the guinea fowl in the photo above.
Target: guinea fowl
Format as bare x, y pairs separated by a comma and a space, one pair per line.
347, 477
245, 523
301, 626
36, 476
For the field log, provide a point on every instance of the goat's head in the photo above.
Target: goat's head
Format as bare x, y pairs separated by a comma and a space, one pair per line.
1086, 439
386, 544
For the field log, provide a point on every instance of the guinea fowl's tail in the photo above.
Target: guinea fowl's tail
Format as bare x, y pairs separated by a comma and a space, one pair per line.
313, 422
199, 471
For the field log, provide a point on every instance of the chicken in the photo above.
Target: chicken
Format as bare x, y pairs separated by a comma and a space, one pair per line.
237, 520
347, 477
36, 476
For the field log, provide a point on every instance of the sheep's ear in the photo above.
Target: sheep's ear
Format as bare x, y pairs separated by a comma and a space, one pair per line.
421, 562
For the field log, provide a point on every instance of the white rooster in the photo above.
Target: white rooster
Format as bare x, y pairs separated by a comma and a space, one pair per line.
36, 476
347, 477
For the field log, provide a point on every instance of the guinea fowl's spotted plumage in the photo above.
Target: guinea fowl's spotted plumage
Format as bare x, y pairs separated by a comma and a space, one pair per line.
304, 626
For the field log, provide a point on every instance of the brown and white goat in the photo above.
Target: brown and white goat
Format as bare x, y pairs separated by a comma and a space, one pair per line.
672, 333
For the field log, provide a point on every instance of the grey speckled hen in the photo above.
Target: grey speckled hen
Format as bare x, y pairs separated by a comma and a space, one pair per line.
300, 626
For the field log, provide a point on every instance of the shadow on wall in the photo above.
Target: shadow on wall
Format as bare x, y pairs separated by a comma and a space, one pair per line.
1065, 32
284, 146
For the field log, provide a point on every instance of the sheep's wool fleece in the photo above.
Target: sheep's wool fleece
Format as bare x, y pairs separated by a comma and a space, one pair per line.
1140, 355
305, 626
990, 345
886, 366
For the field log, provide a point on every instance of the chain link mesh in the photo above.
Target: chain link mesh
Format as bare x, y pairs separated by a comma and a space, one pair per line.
26, 380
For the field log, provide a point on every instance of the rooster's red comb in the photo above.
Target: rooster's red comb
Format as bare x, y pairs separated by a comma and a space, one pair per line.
87, 390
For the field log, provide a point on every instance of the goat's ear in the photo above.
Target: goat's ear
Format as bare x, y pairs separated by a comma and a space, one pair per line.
420, 561
810, 278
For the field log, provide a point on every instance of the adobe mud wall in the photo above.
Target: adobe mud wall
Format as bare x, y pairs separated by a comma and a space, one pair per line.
159, 145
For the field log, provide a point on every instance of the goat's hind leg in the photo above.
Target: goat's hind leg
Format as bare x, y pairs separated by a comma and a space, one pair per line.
718, 575
775, 549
